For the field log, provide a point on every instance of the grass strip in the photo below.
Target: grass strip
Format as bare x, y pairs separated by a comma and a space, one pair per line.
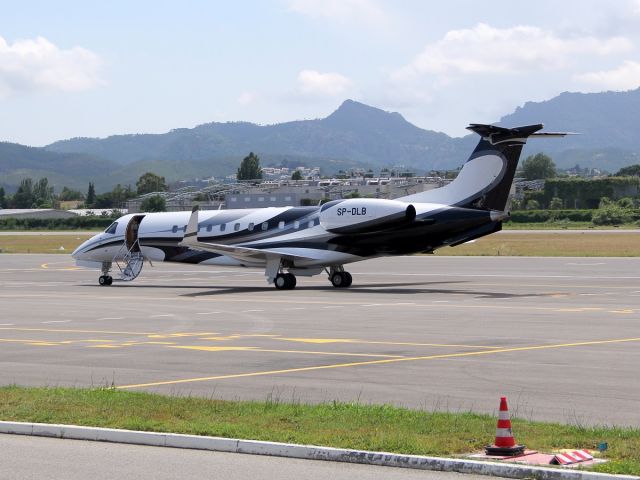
42, 243
551, 244
334, 424
537, 244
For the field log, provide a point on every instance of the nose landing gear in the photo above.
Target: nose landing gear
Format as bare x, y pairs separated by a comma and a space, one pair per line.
105, 279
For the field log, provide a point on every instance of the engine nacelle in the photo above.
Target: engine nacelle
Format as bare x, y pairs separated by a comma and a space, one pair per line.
365, 215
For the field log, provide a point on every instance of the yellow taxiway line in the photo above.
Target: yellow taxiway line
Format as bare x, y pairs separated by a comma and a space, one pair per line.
378, 362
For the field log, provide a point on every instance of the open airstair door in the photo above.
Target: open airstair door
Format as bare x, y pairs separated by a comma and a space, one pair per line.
131, 234
133, 260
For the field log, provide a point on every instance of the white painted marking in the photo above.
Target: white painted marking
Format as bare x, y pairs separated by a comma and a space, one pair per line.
57, 321
248, 311
295, 308
585, 264
441, 301
207, 313
332, 306
371, 305
6, 324
162, 315
111, 318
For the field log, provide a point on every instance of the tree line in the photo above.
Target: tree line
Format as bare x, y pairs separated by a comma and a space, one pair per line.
40, 194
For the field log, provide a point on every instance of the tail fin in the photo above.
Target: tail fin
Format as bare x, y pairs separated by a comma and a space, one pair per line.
485, 179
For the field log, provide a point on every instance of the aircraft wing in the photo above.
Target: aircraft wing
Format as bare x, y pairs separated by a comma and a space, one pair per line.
190, 240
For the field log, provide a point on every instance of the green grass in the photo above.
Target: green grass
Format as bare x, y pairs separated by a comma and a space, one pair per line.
342, 425
42, 243
550, 244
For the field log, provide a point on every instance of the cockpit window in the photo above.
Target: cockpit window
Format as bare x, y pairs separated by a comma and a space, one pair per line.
112, 228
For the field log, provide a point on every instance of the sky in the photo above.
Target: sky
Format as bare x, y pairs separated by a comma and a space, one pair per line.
88, 69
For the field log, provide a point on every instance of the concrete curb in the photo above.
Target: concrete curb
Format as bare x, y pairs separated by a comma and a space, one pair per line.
310, 452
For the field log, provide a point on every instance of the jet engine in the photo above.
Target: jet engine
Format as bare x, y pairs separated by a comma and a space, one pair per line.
365, 215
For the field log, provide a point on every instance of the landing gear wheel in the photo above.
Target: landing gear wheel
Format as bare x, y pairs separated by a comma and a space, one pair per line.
105, 280
341, 279
285, 281
292, 280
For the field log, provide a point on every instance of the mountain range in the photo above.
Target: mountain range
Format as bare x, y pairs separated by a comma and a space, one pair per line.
354, 135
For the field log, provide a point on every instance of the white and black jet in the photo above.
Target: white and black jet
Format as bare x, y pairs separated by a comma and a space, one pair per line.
305, 241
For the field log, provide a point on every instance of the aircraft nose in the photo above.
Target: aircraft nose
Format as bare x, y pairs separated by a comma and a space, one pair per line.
79, 253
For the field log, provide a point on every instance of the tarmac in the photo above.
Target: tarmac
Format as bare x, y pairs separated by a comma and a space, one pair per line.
558, 336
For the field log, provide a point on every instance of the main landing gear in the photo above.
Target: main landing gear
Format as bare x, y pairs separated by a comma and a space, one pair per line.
339, 277
105, 279
285, 281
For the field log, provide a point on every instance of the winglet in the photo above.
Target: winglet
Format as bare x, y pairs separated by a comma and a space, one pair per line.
191, 234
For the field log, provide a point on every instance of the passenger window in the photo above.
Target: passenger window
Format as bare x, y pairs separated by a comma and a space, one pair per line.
265, 226
223, 227
111, 229
296, 225
209, 228
250, 227
281, 224
175, 229
236, 227
310, 224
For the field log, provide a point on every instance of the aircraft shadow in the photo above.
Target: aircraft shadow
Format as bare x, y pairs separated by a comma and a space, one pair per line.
394, 288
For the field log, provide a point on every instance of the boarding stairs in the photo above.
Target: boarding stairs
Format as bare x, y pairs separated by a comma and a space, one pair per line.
131, 264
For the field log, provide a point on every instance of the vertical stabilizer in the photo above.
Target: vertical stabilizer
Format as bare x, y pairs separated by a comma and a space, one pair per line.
485, 179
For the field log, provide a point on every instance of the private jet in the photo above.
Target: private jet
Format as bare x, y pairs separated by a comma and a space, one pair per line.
291, 242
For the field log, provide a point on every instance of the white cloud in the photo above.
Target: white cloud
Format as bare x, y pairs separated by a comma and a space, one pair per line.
625, 77
488, 50
312, 82
37, 64
342, 11
634, 7
247, 98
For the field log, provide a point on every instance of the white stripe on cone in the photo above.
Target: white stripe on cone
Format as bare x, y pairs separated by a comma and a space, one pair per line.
503, 432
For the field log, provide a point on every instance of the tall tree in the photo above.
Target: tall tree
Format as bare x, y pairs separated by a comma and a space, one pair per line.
3, 200
150, 182
23, 198
43, 193
631, 170
155, 203
297, 175
250, 168
91, 195
538, 167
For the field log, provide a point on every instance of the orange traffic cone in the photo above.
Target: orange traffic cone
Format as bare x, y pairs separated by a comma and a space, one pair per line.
505, 444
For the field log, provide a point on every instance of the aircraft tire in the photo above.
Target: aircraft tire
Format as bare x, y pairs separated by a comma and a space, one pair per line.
109, 279
102, 280
291, 280
341, 279
281, 282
